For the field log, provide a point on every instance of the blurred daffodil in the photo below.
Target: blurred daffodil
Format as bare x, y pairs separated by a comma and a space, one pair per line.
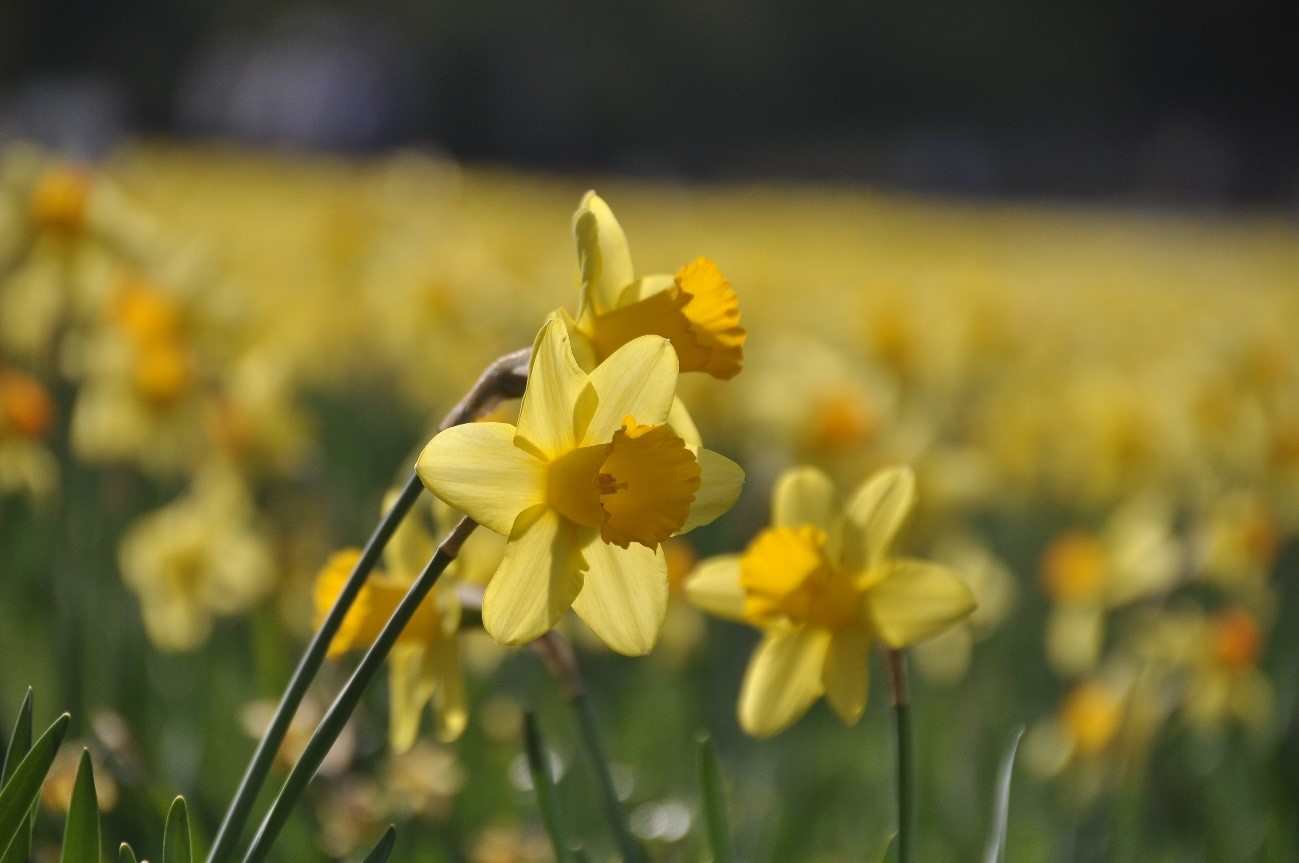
424, 666
823, 584
696, 309
27, 417
586, 487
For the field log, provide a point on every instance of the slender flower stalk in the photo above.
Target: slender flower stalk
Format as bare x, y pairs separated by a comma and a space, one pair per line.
558, 654
341, 710
901, 700
503, 379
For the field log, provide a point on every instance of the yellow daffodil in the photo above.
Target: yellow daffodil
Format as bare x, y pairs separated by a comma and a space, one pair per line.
27, 416
823, 584
696, 308
424, 666
586, 487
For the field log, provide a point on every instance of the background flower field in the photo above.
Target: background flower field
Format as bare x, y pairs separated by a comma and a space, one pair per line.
214, 363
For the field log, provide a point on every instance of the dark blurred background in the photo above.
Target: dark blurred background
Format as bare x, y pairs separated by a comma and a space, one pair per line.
1182, 104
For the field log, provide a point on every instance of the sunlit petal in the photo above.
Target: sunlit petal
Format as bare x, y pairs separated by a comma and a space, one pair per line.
477, 469
602, 255
917, 600
720, 482
625, 596
638, 380
538, 579
783, 679
555, 384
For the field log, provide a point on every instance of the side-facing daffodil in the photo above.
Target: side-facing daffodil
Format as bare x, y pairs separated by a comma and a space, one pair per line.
424, 666
586, 488
823, 584
696, 308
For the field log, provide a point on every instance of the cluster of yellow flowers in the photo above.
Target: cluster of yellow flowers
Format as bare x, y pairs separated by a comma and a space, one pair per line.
1128, 378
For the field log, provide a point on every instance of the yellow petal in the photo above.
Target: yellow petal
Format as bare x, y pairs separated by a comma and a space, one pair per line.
847, 672
411, 545
579, 341
1074, 634
602, 255
720, 482
329, 584
450, 701
806, 496
918, 599
783, 679
625, 595
638, 380
679, 421
714, 587
477, 469
647, 485
714, 314
538, 579
875, 516
410, 686
555, 385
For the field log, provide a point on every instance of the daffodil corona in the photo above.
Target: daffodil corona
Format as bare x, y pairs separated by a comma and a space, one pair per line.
586, 488
822, 583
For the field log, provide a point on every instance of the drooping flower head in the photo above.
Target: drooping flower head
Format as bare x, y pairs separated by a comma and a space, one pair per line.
823, 584
586, 488
695, 309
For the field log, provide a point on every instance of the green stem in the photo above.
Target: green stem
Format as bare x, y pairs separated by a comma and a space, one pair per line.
559, 656
901, 698
326, 734
236, 816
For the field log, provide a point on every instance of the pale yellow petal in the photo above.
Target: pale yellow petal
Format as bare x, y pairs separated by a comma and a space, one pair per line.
876, 514
714, 587
720, 482
681, 423
477, 469
410, 686
1074, 636
602, 255
450, 700
783, 679
917, 600
847, 672
638, 380
805, 496
538, 579
555, 384
625, 596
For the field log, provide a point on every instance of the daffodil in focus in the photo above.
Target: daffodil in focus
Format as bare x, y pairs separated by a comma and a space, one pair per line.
587, 487
695, 308
424, 666
822, 584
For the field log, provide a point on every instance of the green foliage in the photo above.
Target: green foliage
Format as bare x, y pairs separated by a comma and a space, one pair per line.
543, 783
177, 846
81, 834
24, 785
996, 851
125, 854
713, 795
20, 743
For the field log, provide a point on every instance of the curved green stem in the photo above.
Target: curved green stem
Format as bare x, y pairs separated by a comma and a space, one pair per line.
901, 699
341, 710
264, 756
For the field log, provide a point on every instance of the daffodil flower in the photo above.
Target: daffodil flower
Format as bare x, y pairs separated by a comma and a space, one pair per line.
823, 585
696, 308
424, 666
586, 488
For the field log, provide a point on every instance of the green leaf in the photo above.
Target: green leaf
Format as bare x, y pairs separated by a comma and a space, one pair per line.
713, 794
543, 783
125, 854
20, 741
996, 851
81, 834
379, 853
176, 844
20, 793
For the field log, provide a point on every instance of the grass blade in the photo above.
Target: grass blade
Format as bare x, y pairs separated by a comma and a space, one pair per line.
712, 793
20, 793
379, 853
20, 740
176, 844
543, 783
81, 833
996, 850
125, 854
20, 743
